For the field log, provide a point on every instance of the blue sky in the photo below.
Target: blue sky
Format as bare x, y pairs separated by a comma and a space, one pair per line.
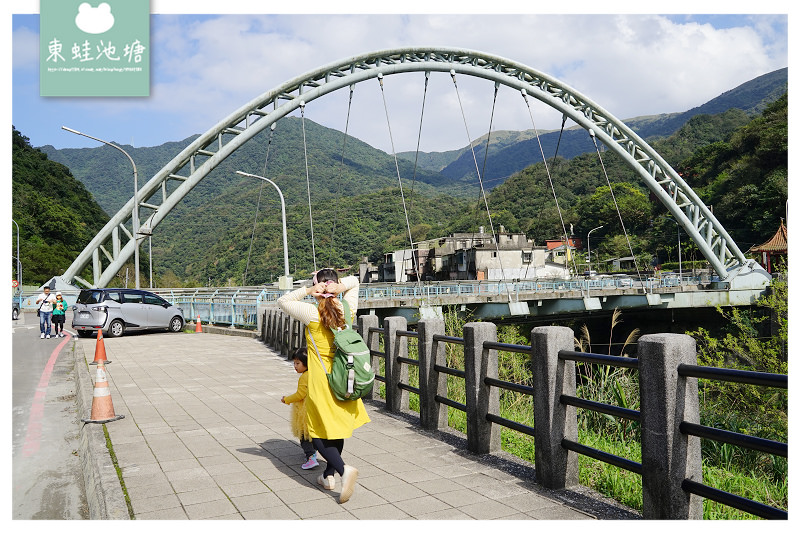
206, 66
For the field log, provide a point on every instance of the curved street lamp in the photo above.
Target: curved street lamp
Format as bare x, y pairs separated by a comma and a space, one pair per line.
588, 247
283, 218
19, 261
135, 200
680, 270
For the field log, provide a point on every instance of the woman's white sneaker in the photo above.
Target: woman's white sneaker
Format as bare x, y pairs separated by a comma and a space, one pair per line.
348, 483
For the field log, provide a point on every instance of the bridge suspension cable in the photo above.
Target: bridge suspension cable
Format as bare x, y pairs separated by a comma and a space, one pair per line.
258, 204
568, 255
399, 181
616, 206
341, 173
563, 122
308, 182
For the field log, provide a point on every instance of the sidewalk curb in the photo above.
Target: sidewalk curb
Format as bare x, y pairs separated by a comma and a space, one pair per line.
103, 491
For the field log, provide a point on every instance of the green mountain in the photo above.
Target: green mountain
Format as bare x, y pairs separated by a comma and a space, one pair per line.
228, 230
109, 176
208, 235
57, 216
735, 163
509, 154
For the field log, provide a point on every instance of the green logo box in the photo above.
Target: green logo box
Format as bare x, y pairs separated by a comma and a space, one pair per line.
94, 48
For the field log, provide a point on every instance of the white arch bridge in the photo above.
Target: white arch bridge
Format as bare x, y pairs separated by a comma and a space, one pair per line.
114, 244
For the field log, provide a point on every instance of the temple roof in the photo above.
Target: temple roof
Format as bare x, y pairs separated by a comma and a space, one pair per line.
778, 242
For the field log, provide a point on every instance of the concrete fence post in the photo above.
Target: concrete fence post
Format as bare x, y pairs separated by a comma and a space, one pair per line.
273, 330
279, 334
294, 335
394, 346
432, 415
271, 327
668, 456
268, 329
263, 329
365, 322
482, 436
556, 467
287, 335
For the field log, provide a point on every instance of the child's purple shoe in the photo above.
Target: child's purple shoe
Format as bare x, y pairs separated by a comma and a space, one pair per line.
310, 463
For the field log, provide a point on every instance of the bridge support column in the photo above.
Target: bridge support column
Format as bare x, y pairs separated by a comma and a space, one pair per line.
394, 346
556, 467
668, 456
365, 322
482, 436
432, 414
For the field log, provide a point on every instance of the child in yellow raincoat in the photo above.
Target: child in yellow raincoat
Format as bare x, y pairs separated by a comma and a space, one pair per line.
297, 401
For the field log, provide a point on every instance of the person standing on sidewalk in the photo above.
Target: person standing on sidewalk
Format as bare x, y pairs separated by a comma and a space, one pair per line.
59, 315
45, 311
297, 401
330, 421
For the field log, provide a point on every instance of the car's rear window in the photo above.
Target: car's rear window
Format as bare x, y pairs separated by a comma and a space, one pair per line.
90, 297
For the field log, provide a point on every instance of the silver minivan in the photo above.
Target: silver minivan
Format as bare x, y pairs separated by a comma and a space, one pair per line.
119, 310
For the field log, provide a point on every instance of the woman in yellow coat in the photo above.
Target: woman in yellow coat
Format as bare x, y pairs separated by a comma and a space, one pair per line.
330, 421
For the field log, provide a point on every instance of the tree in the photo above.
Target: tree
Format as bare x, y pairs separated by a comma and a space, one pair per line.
600, 208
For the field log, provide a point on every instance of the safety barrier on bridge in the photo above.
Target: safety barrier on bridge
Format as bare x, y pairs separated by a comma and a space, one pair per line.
671, 467
238, 305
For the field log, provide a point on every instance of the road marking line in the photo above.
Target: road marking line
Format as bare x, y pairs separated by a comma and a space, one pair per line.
34, 433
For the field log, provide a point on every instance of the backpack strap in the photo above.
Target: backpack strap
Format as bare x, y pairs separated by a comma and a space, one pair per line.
348, 318
317, 350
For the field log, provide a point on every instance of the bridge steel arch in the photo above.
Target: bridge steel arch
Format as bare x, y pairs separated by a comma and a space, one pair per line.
195, 162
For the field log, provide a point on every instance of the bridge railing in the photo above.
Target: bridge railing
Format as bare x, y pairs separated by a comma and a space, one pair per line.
238, 305
671, 467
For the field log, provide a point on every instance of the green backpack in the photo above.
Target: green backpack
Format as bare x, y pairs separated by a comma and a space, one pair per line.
351, 376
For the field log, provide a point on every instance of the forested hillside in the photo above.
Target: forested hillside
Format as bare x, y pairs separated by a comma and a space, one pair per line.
57, 216
108, 174
510, 154
736, 165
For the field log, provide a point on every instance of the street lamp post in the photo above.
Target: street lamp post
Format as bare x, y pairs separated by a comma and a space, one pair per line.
19, 262
680, 270
135, 200
588, 247
287, 281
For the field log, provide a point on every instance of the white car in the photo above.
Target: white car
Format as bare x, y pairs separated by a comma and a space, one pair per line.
116, 311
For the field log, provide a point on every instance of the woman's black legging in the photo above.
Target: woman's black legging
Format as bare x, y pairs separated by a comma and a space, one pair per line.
331, 451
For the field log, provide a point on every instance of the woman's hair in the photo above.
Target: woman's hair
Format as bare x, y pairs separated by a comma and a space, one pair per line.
331, 315
301, 354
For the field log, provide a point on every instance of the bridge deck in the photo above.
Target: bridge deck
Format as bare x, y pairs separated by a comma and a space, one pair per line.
205, 435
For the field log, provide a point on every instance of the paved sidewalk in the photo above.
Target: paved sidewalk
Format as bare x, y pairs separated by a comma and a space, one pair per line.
205, 436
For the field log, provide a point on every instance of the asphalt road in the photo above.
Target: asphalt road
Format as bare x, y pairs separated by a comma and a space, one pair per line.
47, 476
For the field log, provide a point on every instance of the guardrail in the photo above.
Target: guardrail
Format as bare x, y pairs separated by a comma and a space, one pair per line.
238, 306
671, 467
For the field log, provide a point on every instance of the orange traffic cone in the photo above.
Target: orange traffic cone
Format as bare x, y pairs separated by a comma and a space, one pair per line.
102, 407
198, 328
99, 350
